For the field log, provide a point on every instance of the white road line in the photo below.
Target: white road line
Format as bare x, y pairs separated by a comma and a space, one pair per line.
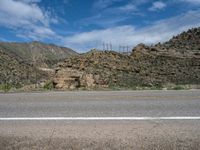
97, 118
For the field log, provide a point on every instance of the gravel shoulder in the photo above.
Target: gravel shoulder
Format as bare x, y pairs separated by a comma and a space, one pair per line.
101, 135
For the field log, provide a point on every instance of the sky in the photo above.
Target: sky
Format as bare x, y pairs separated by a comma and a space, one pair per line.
86, 24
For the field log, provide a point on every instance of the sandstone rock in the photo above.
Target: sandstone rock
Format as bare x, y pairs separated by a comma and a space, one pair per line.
90, 80
67, 79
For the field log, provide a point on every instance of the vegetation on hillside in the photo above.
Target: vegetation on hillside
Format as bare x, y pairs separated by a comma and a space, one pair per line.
175, 62
149, 66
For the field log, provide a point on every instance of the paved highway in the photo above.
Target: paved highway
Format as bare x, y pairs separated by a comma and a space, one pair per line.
101, 104
20, 109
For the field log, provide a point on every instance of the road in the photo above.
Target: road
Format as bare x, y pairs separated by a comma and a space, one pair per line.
44, 115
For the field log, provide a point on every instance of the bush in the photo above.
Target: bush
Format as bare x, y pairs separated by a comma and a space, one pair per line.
5, 87
178, 87
18, 86
49, 85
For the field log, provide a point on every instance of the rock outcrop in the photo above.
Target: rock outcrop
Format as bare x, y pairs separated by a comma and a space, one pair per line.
90, 70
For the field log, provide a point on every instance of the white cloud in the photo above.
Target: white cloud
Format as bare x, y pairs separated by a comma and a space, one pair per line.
102, 4
106, 14
104, 21
25, 17
29, 1
38, 33
157, 6
15, 13
112, 16
191, 1
159, 31
127, 8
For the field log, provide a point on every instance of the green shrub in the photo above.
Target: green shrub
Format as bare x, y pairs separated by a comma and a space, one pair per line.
49, 85
178, 87
5, 87
18, 86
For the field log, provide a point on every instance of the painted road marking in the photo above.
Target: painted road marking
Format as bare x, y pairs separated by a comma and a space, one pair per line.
97, 118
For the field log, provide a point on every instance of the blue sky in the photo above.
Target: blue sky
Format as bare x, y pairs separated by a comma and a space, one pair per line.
86, 24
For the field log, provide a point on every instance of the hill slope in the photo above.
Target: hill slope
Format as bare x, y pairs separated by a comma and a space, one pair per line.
43, 55
25, 63
189, 40
16, 72
147, 66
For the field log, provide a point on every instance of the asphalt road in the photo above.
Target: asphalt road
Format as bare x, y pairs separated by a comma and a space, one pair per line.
102, 104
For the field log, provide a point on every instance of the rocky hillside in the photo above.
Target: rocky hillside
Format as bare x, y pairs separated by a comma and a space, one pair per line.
169, 63
16, 72
189, 40
28, 63
93, 69
40, 54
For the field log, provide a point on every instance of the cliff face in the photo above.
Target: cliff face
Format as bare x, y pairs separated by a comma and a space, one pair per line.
171, 62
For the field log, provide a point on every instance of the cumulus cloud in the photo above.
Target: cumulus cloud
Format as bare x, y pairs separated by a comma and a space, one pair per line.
130, 35
157, 6
24, 16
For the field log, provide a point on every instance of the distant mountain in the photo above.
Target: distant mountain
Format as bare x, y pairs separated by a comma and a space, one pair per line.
174, 62
40, 54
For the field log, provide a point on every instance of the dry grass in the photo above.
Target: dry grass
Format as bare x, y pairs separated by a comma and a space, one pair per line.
25, 143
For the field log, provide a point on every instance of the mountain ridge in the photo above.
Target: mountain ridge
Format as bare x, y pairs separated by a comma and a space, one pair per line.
37, 53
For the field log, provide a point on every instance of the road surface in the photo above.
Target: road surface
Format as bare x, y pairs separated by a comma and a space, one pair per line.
102, 116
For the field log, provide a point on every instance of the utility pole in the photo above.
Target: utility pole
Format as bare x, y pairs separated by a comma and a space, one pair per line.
127, 50
107, 46
103, 46
110, 46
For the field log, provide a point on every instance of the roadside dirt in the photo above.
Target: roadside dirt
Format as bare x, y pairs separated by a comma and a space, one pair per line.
100, 135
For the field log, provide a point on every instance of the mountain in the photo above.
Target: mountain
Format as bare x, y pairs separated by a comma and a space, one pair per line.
14, 71
37, 53
174, 62
29, 63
